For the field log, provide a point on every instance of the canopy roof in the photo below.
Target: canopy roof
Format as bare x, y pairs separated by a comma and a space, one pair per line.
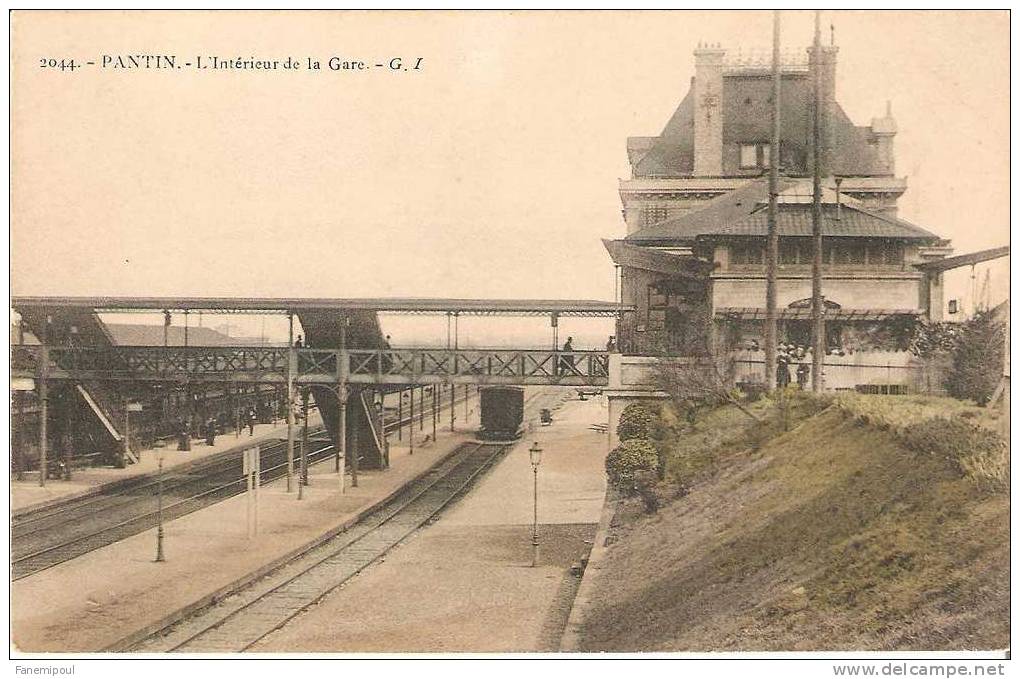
410, 305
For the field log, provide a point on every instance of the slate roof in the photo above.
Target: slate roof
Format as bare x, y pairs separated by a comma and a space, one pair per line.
795, 220
746, 112
743, 212
717, 212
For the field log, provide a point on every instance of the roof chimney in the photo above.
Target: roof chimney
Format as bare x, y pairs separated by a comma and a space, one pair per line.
884, 129
826, 61
708, 82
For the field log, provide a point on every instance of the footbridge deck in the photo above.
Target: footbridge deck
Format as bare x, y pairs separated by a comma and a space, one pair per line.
312, 367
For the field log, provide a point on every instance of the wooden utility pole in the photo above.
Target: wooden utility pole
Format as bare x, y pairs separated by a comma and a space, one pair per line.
817, 311
772, 261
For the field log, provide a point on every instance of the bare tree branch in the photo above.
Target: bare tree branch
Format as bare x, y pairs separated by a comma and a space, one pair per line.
707, 378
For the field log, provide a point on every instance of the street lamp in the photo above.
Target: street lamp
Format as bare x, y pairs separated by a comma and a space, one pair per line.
536, 459
159, 511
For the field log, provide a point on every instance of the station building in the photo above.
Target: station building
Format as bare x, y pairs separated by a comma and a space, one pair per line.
692, 262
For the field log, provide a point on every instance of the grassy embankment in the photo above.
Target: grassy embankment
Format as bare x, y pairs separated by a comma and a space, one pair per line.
860, 527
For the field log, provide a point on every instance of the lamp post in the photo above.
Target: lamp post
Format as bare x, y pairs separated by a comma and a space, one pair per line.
159, 509
536, 459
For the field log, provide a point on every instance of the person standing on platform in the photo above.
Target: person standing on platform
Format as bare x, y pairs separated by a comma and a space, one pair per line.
252, 417
611, 345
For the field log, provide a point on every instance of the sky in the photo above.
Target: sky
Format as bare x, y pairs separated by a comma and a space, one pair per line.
490, 172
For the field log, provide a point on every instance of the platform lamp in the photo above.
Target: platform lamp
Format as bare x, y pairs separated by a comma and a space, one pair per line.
535, 453
159, 506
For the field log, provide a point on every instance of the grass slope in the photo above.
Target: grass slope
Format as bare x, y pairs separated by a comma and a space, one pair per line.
831, 536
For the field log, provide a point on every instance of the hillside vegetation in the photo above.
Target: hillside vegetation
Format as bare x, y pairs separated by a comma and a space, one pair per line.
824, 527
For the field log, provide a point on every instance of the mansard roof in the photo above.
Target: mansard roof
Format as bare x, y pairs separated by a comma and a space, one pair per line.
747, 118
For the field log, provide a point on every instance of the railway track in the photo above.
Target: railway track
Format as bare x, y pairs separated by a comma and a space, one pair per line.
240, 620
50, 536
43, 539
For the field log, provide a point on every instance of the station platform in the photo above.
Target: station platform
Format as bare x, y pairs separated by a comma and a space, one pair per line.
465, 583
99, 599
27, 494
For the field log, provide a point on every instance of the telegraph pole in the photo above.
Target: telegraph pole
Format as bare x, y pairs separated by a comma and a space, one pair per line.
817, 317
772, 262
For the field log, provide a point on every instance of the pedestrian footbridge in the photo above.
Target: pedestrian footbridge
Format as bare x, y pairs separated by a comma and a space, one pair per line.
313, 367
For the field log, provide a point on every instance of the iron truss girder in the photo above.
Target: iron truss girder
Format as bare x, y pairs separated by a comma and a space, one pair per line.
269, 365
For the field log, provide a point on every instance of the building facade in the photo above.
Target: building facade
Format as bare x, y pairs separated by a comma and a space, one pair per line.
693, 260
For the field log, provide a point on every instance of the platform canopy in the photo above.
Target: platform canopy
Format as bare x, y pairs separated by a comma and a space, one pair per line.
403, 305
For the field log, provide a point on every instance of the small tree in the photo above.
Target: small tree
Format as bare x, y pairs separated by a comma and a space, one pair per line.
977, 359
630, 457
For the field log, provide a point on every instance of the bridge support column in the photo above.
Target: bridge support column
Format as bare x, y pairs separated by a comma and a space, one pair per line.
453, 393
44, 411
355, 457
435, 410
291, 361
341, 437
410, 426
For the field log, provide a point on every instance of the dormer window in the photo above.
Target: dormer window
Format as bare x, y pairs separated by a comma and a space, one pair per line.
754, 156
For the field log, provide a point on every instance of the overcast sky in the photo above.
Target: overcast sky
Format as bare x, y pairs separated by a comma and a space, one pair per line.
492, 172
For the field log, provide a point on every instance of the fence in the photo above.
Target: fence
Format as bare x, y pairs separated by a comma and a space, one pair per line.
867, 372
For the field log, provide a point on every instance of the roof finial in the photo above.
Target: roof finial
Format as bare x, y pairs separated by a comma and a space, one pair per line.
888, 108
832, 34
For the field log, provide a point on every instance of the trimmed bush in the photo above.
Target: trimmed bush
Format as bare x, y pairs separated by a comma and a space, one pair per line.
630, 457
635, 421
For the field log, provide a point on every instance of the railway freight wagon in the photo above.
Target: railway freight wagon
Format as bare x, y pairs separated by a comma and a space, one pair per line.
502, 413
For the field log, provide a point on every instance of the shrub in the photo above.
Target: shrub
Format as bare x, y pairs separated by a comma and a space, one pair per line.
630, 457
977, 359
933, 338
635, 421
644, 486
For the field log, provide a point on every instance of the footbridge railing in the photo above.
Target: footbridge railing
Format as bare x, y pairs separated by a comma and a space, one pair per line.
315, 366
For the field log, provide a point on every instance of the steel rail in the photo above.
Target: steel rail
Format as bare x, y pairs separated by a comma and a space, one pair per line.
172, 479
141, 518
462, 471
218, 466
